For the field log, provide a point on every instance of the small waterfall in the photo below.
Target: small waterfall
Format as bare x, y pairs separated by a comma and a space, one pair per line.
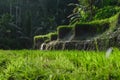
108, 52
71, 37
84, 45
42, 47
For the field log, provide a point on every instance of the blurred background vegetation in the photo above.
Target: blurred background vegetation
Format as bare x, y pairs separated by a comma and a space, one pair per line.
20, 20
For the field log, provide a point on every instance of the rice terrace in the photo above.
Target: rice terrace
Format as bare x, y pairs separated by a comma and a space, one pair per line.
59, 40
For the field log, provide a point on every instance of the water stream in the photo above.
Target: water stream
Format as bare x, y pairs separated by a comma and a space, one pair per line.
70, 38
42, 46
108, 52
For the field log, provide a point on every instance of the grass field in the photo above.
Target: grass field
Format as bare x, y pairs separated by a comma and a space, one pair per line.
59, 65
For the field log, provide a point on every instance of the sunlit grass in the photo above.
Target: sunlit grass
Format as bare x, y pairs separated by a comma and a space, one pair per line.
59, 65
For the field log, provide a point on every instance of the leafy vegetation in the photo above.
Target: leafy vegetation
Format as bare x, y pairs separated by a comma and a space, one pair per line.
22, 20
106, 12
54, 65
88, 10
95, 26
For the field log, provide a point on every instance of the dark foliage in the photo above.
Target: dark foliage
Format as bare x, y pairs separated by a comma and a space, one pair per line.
21, 20
106, 12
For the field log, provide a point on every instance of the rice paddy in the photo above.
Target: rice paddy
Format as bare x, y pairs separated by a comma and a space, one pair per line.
59, 65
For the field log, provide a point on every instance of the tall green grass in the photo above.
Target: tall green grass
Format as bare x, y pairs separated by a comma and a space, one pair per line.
59, 65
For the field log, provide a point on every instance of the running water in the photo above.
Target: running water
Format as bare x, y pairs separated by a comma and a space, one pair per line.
71, 37
108, 52
42, 46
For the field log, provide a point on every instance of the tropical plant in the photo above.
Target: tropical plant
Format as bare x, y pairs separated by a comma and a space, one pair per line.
79, 13
106, 12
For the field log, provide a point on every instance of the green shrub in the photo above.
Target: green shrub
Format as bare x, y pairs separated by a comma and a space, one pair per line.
109, 2
106, 12
79, 14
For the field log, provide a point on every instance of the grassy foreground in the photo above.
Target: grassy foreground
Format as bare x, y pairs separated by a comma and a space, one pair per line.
59, 65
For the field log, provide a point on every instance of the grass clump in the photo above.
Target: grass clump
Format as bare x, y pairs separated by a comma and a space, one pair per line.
63, 65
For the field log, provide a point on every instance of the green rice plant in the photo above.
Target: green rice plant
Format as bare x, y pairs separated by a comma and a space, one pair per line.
59, 65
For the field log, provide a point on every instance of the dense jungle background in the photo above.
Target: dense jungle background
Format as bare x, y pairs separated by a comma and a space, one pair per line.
21, 20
